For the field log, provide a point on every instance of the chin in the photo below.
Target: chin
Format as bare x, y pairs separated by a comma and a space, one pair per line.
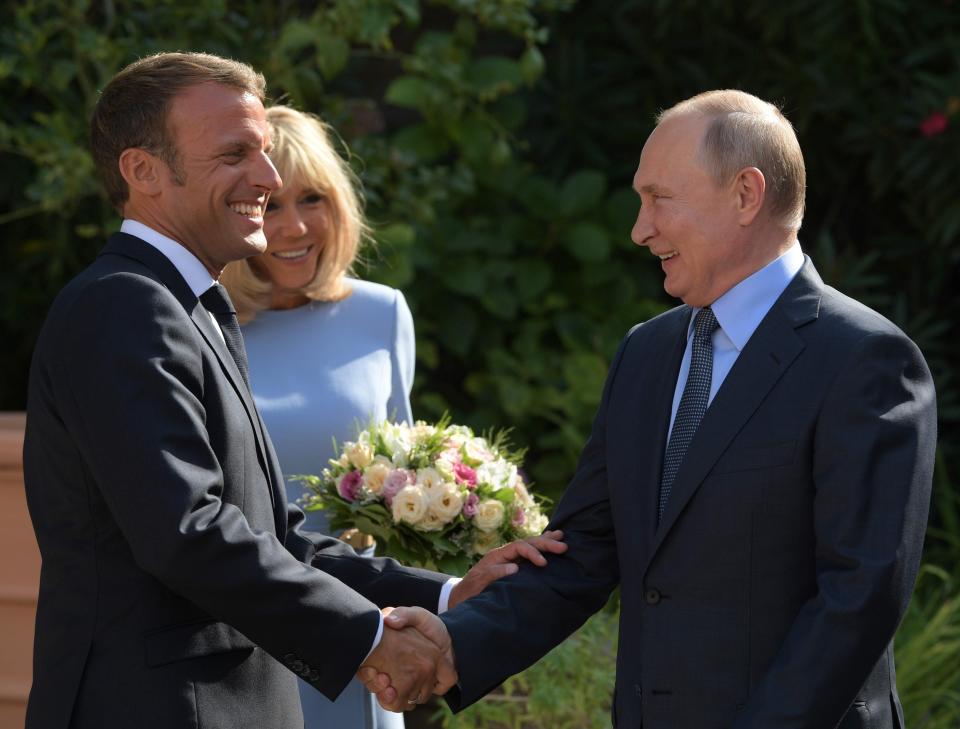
257, 243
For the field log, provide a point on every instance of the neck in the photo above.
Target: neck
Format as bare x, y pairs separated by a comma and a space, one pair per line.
145, 216
282, 299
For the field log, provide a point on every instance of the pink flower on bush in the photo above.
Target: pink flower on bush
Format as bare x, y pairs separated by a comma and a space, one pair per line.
470, 506
349, 485
465, 475
519, 518
934, 124
395, 481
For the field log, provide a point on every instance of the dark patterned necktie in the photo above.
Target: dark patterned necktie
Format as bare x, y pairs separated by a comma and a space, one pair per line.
217, 301
693, 402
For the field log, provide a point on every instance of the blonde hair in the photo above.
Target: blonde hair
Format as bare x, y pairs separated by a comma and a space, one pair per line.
303, 153
745, 131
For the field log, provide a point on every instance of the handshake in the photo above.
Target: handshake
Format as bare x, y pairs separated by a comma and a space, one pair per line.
414, 658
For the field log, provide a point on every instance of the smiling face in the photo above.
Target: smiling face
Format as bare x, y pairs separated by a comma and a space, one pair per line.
214, 206
297, 226
686, 219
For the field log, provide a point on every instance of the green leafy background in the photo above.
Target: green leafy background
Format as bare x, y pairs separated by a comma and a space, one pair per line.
496, 141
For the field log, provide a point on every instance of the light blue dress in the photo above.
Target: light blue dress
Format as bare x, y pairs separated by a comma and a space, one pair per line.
319, 372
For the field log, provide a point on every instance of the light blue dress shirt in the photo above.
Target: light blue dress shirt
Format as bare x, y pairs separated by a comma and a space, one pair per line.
739, 312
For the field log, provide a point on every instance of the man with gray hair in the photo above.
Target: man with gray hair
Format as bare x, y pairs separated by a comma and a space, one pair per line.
757, 480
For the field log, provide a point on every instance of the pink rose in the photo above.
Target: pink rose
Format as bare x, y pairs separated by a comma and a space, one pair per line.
470, 506
349, 485
465, 475
934, 124
519, 518
395, 481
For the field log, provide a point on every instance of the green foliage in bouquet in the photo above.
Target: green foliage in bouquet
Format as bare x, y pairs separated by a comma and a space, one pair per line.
434, 496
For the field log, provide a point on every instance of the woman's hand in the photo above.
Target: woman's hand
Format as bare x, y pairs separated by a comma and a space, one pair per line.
502, 561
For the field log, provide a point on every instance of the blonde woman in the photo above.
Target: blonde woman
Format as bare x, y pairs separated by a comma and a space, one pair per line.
327, 351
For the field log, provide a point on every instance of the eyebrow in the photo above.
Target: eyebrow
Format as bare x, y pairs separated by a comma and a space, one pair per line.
651, 188
236, 144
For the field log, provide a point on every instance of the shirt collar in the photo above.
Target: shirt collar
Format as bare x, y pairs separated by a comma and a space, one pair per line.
196, 275
741, 309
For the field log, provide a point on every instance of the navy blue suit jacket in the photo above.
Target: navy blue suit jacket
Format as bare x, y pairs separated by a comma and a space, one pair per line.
769, 594
177, 588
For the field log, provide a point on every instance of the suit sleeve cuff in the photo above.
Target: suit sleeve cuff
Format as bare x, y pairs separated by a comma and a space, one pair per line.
444, 601
376, 640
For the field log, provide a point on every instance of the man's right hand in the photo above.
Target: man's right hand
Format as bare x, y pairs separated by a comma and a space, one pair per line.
408, 666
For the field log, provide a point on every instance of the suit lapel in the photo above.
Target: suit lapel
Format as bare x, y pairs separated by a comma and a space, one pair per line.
641, 445
132, 247
768, 354
201, 319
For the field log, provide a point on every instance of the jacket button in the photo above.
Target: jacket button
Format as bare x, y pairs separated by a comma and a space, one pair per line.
289, 658
313, 676
297, 666
652, 596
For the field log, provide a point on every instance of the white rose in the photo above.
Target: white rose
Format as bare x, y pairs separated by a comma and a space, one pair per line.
360, 454
342, 461
477, 451
485, 542
489, 515
446, 502
431, 522
374, 476
409, 505
444, 464
429, 479
535, 525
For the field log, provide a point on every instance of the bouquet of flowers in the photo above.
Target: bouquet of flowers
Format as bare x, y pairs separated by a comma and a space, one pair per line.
434, 496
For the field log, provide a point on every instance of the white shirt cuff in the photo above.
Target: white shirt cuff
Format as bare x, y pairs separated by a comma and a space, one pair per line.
444, 601
376, 640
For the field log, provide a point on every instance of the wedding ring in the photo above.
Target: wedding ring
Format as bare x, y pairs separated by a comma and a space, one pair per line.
414, 701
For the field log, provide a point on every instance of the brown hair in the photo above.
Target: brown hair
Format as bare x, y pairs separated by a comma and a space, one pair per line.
303, 154
745, 131
132, 109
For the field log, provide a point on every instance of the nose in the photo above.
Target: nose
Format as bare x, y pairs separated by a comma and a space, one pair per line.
265, 175
643, 229
290, 222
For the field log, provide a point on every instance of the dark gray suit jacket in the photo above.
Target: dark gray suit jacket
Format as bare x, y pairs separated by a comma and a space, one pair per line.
175, 579
769, 594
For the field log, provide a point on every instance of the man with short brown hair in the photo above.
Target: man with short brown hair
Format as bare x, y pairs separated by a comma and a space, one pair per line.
177, 587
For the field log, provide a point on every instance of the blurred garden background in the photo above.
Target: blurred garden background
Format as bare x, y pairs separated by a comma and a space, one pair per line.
496, 141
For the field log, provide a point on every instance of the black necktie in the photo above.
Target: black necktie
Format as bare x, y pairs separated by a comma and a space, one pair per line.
217, 302
693, 402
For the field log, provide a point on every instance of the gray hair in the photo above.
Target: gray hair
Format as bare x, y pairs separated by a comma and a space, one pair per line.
745, 131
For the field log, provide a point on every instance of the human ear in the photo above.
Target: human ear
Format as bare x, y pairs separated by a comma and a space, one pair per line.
750, 187
141, 170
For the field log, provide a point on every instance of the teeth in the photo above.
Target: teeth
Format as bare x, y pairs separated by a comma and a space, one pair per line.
666, 256
292, 254
254, 211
